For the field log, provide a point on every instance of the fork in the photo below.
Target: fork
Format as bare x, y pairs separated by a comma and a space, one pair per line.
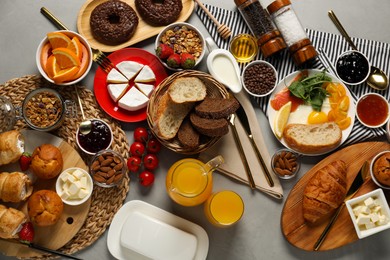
97, 55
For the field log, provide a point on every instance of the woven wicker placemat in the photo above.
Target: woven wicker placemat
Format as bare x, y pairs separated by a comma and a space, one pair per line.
105, 202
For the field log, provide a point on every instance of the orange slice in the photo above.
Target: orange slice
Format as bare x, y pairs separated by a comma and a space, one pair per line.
65, 75
66, 58
84, 61
76, 46
51, 67
58, 40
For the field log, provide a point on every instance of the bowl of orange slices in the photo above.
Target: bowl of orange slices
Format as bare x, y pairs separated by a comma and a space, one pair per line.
64, 57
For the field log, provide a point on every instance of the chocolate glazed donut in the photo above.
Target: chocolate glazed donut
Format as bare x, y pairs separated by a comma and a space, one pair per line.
159, 12
113, 22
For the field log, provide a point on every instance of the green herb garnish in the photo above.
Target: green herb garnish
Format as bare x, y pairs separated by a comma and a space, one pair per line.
310, 89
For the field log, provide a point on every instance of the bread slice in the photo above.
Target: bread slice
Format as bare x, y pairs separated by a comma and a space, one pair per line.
209, 127
217, 107
187, 89
169, 116
315, 139
187, 135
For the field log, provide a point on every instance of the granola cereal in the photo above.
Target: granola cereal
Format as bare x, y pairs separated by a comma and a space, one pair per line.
182, 39
43, 109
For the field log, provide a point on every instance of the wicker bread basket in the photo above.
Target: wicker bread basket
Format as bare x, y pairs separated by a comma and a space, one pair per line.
214, 89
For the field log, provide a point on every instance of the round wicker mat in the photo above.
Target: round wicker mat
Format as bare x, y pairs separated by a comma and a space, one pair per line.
104, 202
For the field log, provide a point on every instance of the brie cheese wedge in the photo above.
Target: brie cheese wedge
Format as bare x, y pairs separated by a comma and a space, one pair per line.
146, 89
133, 100
114, 76
129, 68
116, 91
146, 75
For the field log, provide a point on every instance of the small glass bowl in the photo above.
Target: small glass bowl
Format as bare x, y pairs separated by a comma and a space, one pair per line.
255, 70
373, 173
374, 100
352, 67
93, 142
7, 114
108, 168
285, 163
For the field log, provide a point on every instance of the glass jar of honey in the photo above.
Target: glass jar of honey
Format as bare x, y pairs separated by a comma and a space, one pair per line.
261, 26
292, 31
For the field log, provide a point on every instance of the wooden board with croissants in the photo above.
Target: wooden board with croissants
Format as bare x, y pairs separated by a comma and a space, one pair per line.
303, 235
72, 217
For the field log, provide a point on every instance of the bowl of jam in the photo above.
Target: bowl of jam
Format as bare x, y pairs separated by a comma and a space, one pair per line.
100, 137
372, 110
353, 67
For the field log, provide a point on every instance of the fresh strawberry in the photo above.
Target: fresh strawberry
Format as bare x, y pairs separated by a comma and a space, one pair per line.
164, 51
26, 234
24, 161
173, 60
187, 61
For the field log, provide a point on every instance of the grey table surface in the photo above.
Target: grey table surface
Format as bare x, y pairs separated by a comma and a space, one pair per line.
258, 235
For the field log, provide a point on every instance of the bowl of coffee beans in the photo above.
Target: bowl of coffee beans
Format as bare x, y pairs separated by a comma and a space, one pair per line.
259, 78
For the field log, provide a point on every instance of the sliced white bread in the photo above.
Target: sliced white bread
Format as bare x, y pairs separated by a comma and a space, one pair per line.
133, 100
187, 89
146, 89
312, 139
116, 91
114, 76
146, 75
129, 68
169, 116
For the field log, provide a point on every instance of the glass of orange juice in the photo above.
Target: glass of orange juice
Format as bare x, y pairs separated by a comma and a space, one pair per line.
189, 181
224, 208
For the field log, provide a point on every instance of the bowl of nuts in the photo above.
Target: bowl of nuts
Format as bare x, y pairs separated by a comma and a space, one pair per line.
108, 168
285, 164
180, 46
259, 78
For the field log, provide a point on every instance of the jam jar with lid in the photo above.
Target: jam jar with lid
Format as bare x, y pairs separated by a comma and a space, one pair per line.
292, 31
261, 26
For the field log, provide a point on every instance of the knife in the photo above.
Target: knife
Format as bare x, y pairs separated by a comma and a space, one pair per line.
355, 186
245, 123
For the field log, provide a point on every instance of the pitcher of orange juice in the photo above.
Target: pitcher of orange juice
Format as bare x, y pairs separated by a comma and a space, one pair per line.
189, 181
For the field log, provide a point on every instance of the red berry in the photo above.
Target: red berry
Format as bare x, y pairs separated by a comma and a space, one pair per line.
153, 145
163, 51
137, 149
25, 161
187, 61
134, 163
146, 178
150, 161
26, 234
173, 60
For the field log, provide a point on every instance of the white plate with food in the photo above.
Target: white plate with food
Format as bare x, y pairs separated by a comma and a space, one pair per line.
338, 108
142, 231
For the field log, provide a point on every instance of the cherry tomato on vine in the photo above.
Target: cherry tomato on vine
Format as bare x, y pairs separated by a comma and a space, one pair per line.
150, 161
153, 145
146, 178
134, 163
141, 134
137, 149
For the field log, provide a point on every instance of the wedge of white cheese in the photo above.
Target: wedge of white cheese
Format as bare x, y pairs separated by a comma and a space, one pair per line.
116, 91
133, 100
114, 76
146, 75
146, 89
129, 68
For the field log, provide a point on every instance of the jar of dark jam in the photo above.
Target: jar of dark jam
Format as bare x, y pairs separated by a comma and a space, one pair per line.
100, 137
352, 67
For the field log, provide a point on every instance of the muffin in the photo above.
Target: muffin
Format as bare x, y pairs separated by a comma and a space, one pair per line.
45, 207
46, 161
381, 169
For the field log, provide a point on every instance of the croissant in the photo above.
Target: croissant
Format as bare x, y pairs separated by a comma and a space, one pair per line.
10, 221
15, 186
11, 146
325, 192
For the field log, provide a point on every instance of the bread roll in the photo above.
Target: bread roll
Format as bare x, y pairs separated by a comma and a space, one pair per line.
15, 186
11, 221
381, 169
11, 146
187, 89
45, 207
316, 138
46, 161
325, 192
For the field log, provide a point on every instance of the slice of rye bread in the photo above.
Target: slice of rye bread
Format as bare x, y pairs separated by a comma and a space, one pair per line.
187, 135
209, 127
216, 107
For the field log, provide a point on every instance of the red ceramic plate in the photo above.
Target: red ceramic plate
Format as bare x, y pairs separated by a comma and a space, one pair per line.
100, 86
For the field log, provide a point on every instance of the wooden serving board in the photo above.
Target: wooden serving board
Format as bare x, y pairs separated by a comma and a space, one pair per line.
143, 31
72, 218
302, 235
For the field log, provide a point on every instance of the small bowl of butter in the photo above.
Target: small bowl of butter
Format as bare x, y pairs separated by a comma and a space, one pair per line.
74, 186
370, 213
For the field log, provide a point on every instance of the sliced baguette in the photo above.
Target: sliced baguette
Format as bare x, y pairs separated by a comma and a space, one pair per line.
187, 89
170, 116
312, 139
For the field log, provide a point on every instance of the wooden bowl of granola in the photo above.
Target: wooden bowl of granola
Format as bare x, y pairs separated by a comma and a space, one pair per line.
181, 38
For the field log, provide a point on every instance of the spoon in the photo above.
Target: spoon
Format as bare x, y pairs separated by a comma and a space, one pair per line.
86, 125
222, 29
223, 66
377, 78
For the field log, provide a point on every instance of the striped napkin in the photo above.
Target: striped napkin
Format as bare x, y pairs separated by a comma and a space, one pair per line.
333, 45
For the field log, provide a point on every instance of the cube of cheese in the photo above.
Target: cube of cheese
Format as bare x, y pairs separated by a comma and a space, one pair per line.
369, 202
78, 174
369, 225
374, 217
363, 219
357, 210
74, 188
82, 193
